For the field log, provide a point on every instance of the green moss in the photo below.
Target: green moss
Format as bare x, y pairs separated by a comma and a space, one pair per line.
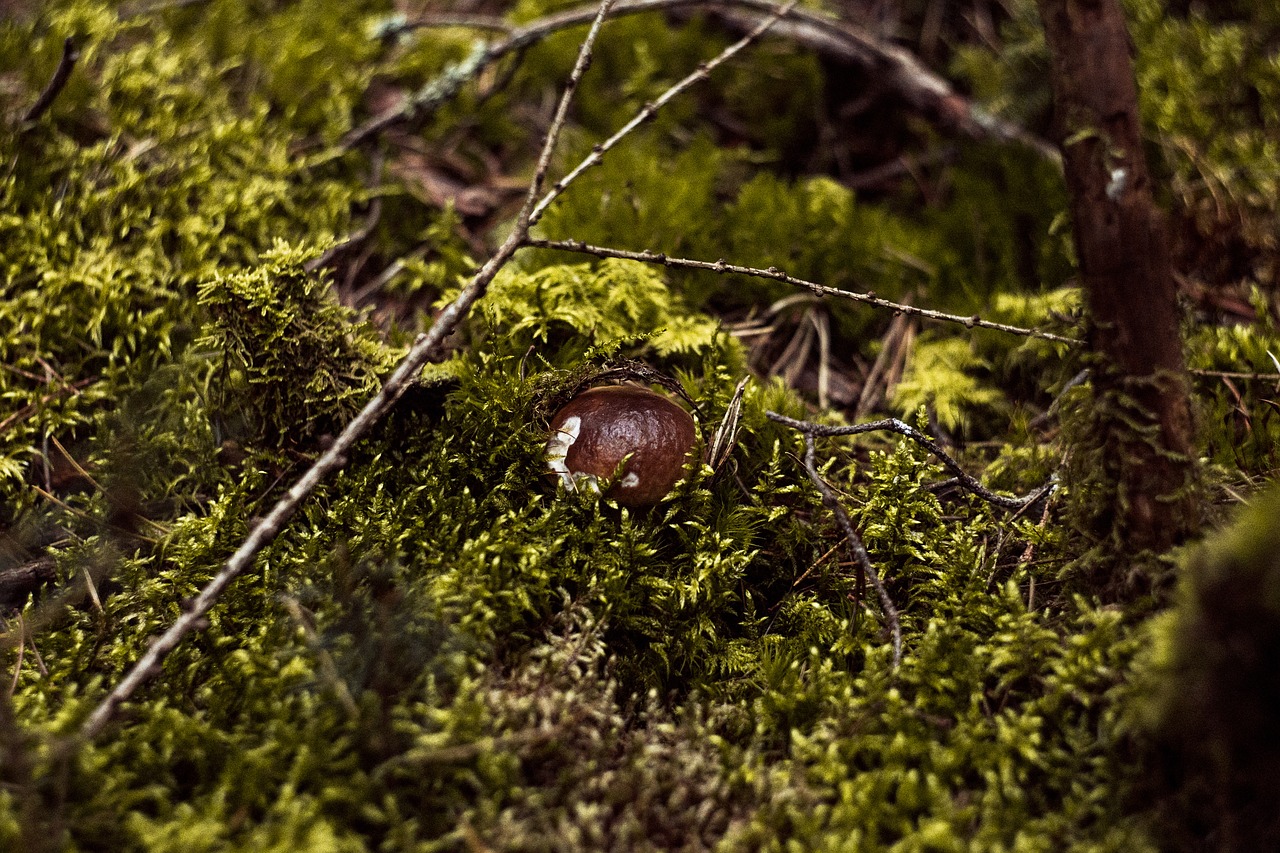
564, 312
1206, 688
443, 651
293, 365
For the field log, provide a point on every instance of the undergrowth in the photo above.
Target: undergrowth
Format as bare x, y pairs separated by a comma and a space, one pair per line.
443, 651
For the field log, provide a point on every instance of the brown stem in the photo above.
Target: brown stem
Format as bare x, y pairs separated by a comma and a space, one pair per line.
70, 55
1127, 273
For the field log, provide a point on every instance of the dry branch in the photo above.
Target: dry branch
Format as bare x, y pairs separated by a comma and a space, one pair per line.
722, 266
832, 501
70, 55
965, 480
895, 67
860, 556
648, 110
827, 37
426, 346
1233, 374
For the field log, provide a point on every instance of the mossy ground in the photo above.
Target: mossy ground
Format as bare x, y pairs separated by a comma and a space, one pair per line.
440, 652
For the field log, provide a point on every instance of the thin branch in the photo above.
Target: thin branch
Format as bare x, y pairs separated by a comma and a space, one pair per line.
70, 55
1048, 414
700, 73
536, 31
894, 425
860, 555
383, 278
1228, 374
470, 22
562, 112
427, 345
827, 37
721, 266
899, 69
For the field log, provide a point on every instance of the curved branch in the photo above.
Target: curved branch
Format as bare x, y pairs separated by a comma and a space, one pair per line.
860, 555
832, 39
966, 481
70, 56
648, 110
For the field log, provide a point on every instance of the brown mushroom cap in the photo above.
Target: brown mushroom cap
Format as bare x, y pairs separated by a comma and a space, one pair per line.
599, 428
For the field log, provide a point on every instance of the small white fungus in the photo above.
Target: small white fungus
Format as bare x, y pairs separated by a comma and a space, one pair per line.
558, 448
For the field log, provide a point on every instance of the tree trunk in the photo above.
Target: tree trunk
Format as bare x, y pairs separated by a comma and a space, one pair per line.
1145, 427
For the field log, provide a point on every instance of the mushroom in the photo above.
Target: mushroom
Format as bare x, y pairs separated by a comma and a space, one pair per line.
641, 437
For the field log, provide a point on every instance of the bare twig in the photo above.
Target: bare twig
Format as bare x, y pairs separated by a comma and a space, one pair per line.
894, 425
70, 55
383, 278
826, 36
721, 266
832, 501
470, 22
898, 68
562, 112
1229, 374
860, 556
1048, 414
646, 113
427, 345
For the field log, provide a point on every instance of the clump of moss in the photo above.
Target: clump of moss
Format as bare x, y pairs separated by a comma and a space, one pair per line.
1208, 691
442, 651
294, 366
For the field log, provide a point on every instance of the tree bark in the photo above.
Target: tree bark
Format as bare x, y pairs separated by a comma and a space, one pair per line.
18, 582
1145, 428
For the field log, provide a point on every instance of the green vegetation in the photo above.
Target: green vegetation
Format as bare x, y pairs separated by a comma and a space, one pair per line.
443, 652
